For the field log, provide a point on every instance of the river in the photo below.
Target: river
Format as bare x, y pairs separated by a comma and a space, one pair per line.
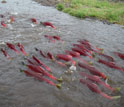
19, 90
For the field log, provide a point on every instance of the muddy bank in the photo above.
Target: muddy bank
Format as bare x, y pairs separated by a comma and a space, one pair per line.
47, 2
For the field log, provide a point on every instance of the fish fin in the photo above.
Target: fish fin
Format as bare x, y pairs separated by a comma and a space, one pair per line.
94, 55
60, 79
23, 64
11, 58
36, 49
117, 89
116, 97
42, 23
53, 60
58, 86
91, 57
110, 81
102, 51
25, 58
90, 63
21, 70
50, 73
67, 63
27, 54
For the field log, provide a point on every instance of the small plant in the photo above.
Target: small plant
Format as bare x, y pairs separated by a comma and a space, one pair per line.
60, 6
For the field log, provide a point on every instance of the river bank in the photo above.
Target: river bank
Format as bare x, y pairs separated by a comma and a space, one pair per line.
110, 12
48, 2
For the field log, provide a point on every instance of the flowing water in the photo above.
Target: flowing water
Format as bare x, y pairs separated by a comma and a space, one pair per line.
19, 90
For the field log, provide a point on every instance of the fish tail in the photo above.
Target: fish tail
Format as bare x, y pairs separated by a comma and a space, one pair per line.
52, 77
9, 57
60, 63
50, 82
17, 51
23, 51
90, 52
48, 69
58, 86
60, 79
54, 27
91, 57
83, 60
106, 96
108, 86
117, 89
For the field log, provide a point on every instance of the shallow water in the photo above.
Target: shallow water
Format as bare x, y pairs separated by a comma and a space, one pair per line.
18, 90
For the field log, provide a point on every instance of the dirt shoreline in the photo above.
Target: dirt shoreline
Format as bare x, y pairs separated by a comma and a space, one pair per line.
48, 2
